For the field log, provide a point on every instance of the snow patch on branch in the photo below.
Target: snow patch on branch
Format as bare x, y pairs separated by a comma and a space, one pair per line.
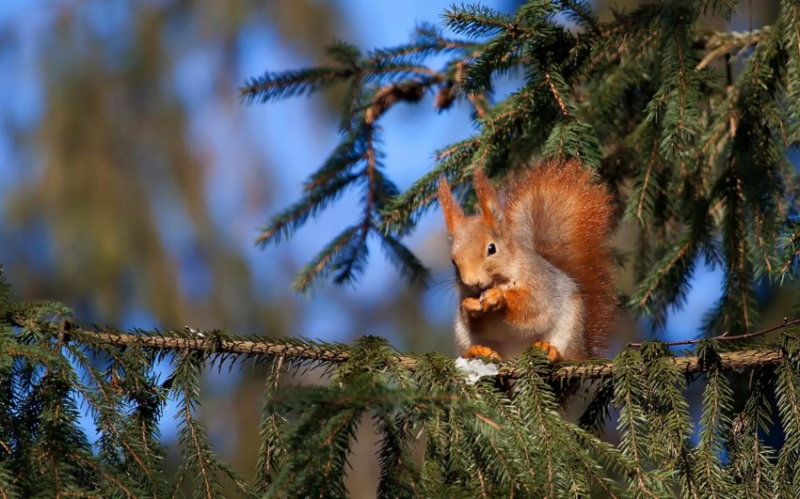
475, 369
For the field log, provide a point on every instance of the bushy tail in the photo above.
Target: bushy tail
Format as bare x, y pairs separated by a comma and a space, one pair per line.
568, 216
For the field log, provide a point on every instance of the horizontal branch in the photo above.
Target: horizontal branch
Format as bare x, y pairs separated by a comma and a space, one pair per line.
744, 359
587, 370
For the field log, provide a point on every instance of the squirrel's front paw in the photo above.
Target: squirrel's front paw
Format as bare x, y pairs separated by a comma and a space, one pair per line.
490, 300
493, 299
472, 306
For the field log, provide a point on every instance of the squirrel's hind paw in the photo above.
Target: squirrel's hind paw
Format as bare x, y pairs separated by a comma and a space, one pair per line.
553, 355
481, 351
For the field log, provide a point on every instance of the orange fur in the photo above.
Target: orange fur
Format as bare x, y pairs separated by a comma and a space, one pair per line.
571, 220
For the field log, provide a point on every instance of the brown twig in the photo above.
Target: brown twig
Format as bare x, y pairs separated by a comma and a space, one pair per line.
410, 91
725, 337
478, 100
722, 43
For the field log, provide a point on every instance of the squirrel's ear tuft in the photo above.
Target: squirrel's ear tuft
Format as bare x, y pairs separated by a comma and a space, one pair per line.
453, 215
487, 198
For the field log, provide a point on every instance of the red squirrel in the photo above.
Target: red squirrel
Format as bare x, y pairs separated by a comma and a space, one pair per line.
534, 265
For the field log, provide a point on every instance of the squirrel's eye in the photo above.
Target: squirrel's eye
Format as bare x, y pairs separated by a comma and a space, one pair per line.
492, 249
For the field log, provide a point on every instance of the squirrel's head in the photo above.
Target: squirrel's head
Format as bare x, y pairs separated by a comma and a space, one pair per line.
480, 253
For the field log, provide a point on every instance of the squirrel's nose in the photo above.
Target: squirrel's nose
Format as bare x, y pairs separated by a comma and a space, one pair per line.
475, 283
469, 280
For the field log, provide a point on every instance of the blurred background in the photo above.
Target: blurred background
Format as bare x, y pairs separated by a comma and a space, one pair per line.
133, 182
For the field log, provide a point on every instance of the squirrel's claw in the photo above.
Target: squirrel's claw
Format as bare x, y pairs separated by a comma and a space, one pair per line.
481, 351
553, 355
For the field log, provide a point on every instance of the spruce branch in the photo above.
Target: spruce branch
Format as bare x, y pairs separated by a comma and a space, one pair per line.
788, 395
273, 448
105, 406
477, 20
213, 343
581, 12
751, 458
668, 282
668, 412
406, 208
274, 86
629, 390
713, 423
316, 199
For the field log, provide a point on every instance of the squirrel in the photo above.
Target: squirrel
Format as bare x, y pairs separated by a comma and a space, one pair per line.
534, 266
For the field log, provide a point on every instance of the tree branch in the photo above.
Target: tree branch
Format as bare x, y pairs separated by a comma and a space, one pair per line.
207, 342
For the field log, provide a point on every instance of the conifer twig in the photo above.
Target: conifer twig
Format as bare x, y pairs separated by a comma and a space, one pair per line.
724, 336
